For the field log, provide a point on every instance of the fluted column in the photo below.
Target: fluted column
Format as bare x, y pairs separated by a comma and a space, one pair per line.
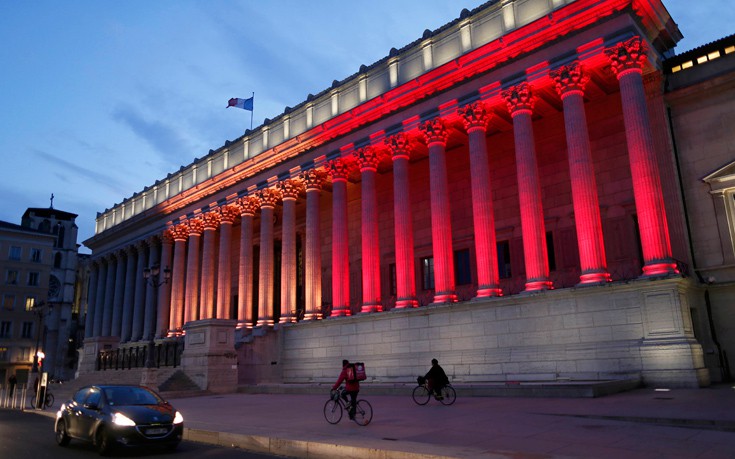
99, 304
180, 234
338, 170
94, 273
367, 160
520, 102
126, 326
570, 82
151, 293
140, 288
628, 59
228, 214
290, 190
475, 118
400, 148
117, 302
269, 198
249, 205
211, 221
313, 180
109, 295
191, 305
436, 135
164, 291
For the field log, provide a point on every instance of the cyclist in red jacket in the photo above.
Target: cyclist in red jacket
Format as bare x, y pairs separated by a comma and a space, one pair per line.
352, 386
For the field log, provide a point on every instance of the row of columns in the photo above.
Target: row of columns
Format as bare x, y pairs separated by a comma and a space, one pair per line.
131, 312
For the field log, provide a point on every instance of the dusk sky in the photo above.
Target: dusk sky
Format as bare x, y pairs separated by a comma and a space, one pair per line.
101, 99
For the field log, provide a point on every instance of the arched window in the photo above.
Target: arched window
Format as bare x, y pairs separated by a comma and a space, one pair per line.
57, 260
60, 237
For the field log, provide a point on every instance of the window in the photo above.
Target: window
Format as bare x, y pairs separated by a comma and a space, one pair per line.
27, 330
393, 284
36, 255
33, 277
57, 260
25, 354
14, 253
4, 354
5, 329
462, 270
30, 303
427, 273
504, 270
8, 302
550, 250
11, 276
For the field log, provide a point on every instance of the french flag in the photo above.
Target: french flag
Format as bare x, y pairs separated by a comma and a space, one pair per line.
245, 104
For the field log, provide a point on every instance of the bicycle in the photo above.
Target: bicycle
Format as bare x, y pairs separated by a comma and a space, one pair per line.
336, 405
422, 394
47, 402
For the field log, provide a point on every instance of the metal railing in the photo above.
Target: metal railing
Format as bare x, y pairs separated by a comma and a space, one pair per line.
166, 354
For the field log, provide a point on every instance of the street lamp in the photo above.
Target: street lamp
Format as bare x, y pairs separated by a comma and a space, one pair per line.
152, 276
39, 311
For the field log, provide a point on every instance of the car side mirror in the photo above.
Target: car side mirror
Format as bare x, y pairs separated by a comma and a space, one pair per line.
92, 406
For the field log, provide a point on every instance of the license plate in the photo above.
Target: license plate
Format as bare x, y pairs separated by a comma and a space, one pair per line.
158, 431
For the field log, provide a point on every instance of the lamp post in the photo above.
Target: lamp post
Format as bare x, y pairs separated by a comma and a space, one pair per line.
38, 309
152, 276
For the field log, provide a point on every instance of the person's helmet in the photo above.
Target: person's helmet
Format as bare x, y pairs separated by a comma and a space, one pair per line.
345, 362
434, 362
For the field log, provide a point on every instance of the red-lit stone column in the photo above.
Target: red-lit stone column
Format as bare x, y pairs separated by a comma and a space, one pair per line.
339, 170
249, 205
180, 234
164, 291
399, 145
475, 118
151, 293
368, 161
436, 135
140, 288
520, 104
269, 197
290, 190
627, 61
126, 329
313, 180
117, 304
228, 214
191, 305
570, 82
211, 221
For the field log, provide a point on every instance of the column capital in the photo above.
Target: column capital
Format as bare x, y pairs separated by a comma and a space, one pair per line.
269, 197
290, 188
519, 98
367, 158
474, 115
313, 179
167, 236
195, 226
434, 131
179, 232
211, 220
228, 213
570, 78
248, 205
629, 55
399, 145
338, 169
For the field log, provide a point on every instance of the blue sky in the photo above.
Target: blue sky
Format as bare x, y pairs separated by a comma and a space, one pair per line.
101, 98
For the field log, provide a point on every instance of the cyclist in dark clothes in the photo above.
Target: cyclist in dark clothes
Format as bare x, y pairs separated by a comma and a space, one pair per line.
436, 379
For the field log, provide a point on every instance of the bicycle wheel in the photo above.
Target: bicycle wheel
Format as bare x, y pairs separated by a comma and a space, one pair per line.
421, 395
332, 411
49, 400
449, 396
363, 413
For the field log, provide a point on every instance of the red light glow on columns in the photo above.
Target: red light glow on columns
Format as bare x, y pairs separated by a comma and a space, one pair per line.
313, 181
436, 135
338, 169
180, 234
290, 191
570, 82
475, 118
228, 215
399, 145
249, 206
269, 198
191, 309
520, 102
206, 302
367, 159
627, 60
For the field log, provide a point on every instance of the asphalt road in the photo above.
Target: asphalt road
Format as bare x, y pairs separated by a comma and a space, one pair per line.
29, 435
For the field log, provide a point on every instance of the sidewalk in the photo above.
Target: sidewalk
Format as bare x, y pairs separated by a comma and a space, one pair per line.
643, 423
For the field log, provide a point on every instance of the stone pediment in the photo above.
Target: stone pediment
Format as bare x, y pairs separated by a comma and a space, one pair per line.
722, 178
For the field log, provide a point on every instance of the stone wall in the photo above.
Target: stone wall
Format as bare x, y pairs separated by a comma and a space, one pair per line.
641, 329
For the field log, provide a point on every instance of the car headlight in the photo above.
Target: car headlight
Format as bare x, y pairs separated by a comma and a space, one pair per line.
178, 418
122, 420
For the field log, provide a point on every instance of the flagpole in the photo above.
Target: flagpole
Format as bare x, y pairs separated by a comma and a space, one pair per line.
251, 112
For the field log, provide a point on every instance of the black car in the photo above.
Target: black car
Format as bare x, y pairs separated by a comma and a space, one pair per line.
110, 416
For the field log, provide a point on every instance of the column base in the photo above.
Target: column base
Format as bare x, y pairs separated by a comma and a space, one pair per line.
340, 311
404, 303
660, 268
594, 278
539, 285
312, 316
371, 307
488, 292
287, 319
444, 298
265, 323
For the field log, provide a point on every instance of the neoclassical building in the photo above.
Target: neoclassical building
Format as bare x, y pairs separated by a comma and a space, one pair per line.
500, 194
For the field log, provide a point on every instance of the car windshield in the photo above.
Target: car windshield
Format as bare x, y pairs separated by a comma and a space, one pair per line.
120, 396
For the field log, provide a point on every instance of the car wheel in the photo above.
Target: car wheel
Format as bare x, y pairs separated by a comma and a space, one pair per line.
62, 437
102, 442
